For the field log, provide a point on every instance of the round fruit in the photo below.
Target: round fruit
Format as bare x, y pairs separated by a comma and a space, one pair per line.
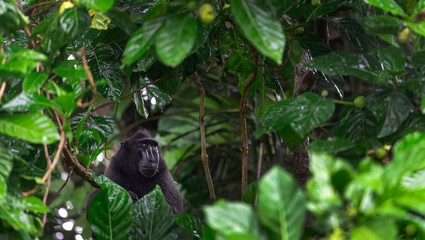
206, 13
381, 153
410, 230
404, 35
324, 93
359, 102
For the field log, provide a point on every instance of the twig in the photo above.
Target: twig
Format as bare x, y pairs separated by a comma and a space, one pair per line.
3, 61
80, 170
46, 189
260, 160
61, 188
38, 5
204, 155
242, 111
58, 151
91, 81
3, 86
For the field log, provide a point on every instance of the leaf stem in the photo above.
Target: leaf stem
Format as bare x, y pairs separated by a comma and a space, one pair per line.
343, 102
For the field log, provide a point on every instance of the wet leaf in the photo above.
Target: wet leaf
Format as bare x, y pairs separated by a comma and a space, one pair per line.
102, 6
332, 145
34, 81
393, 59
388, 5
382, 24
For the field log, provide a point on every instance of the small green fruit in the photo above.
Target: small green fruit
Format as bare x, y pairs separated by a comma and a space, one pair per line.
410, 230
324, 93
381, 153
359, 102
206, 13
404, 35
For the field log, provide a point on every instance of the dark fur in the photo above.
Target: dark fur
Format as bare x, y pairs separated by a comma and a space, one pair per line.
125, 169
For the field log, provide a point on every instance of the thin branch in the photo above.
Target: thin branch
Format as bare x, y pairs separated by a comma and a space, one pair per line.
91, 81
78, 168
244, 133
61, 188
38, 5
260, 160
46, 189
3, 86
204, 155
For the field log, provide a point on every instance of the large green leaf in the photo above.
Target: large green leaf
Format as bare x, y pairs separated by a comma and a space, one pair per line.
392, 59
382, 24
111, 213
29, 102
153, 218
102, 6
261, 28
73, 21
140, 41
34, 81
359, 125
355, 34
13, 213
6, 163
139, 101
32, 127
281, 204
342, 63
408, 156
388, 5
390, 109
175, 39
332, 145
70, 69
375, 229
233, 220
190, 223
104, 66
302, 114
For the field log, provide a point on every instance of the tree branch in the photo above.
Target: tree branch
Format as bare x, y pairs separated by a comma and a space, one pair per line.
91, 81
204, 155
244, 133
76, 166
38, 5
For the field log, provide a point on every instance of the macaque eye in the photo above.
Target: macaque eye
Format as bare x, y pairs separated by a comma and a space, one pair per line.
144, 145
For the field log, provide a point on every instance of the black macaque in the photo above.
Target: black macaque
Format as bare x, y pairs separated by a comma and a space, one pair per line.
138, 167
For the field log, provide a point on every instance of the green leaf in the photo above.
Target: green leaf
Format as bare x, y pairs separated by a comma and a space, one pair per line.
262, 29
29, 102
34, 81
233, 219
104, 66
388, 5
342, 63
138, 100
418, 58
10, 18
408, 155
146, 61
190, 223
153, 218
34, 204
102, 6
417, 27
393, 59
32, 127
382, 24
332, 145
13, 213
73, 21
111, 213
70, 69
281, 204
162, 91
302, 114
375, 229
359, 125
175, 39
250, 193
414, 181
390, 109
140, 41
6, 163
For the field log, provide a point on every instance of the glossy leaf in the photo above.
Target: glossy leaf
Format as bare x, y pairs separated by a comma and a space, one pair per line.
70, 69
162, 91
111, 213
29, 102
233, 219
32, 127
393, 59
34, 81
408, 155
139, 101
332, 145
102, 6
390, 109
382, 24
153, 218
175, 39
190, 223
375, 229
262, 29
33, 204
359, 125
140, 41
281, 204
354, 33
345, 64
74, 21
6, 163
13, 213
103, 66
303, 113
388, 5
418, 58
